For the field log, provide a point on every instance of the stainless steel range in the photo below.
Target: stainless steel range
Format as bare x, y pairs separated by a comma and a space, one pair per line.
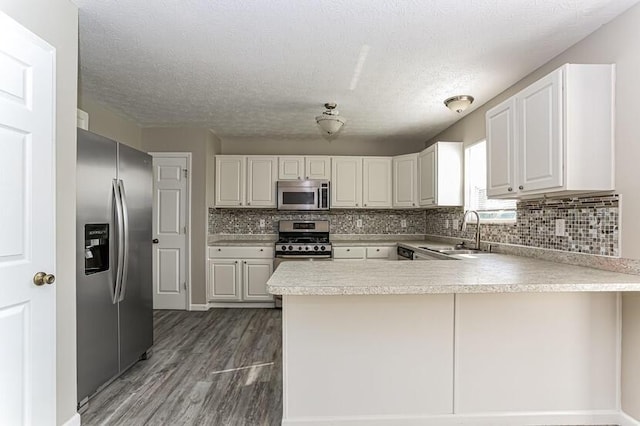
307, 239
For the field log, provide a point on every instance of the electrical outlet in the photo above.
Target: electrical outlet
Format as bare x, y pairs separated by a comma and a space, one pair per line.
262, 223
446, 223
456, 224
560, 228
359, 223
403, 223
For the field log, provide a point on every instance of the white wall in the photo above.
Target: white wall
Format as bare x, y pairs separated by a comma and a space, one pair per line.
56, 21
617, 42
111, 124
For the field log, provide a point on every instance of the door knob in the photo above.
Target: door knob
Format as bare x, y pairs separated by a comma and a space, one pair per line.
155, 241
42, 278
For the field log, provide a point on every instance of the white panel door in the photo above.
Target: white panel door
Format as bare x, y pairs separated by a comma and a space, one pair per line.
230, 180
376, 182
317, 167
346, 181
262, 174
427, 173
255, 274
224, 280
27, 224
540, 145
170, 207
290, 168
501, 149
405, 181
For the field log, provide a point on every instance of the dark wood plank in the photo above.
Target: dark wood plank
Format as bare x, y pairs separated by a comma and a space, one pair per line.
220, 367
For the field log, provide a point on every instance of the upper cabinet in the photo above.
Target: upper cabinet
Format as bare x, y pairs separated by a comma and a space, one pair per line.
246, 181
440, 175
346, 182
555, 136
376, 182
405, 181
296, 167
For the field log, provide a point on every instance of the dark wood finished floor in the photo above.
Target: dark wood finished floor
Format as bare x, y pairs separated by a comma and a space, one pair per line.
221, 367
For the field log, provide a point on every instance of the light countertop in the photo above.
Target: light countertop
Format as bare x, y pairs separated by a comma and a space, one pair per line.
484, 273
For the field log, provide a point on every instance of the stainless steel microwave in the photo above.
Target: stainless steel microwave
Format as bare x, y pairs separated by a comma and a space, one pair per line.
303, 194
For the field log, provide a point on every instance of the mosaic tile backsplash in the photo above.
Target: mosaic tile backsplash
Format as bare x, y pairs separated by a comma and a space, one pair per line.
591, 225
247, 221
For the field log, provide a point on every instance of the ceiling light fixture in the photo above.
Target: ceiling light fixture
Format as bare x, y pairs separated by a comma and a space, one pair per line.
458, 103
330, 123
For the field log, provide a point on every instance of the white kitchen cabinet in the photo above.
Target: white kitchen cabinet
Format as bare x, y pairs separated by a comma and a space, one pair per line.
317, 167
555, 136
239, 274
224, 280
364, 253
440, 175
376, 182
291, 167
262, 174
405, 181
346, 182
255, 274
230, 180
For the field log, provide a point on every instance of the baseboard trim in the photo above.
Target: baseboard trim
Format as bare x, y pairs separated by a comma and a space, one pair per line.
198, 307
207, 306
627, 420
73, 421
489, 419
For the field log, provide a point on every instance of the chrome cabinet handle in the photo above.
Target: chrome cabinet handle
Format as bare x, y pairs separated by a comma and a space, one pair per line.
521, 187
248, 204
356, 204
509, 189
219, 249
261, 249
348, 249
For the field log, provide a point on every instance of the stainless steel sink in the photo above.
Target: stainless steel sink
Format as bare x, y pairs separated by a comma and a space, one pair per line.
454, 251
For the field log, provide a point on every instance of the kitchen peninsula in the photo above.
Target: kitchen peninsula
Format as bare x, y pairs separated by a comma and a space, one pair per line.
490, 340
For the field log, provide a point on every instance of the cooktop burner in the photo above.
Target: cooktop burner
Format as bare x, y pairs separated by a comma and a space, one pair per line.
303, 238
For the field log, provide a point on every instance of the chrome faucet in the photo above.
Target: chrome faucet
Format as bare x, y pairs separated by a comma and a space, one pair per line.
463, 227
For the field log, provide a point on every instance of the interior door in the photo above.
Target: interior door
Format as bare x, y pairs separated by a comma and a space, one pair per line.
27, 220
169, 232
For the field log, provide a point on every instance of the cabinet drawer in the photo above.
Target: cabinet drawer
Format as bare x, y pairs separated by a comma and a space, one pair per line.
378, 252
234, 252
349, 252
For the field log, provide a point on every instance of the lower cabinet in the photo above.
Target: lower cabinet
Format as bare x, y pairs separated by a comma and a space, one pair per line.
239, 274
364, 253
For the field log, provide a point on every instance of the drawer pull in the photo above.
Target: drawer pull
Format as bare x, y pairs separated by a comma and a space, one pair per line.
348, 249
219, 249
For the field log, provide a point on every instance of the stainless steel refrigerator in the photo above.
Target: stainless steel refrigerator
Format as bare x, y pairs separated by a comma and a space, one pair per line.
113, 277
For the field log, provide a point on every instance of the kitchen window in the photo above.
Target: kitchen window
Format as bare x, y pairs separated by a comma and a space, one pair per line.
475, 188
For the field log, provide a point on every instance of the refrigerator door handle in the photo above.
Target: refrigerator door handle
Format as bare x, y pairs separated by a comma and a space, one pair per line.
125, 255
115, 291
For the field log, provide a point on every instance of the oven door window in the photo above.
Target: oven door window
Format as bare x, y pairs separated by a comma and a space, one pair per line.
306, 198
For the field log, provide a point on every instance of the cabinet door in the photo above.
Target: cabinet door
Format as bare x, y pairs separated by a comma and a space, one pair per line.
262, 174
540, 149
405, 181
350, 253
224, 280
501, 149
346, 182
290, 168
318, 167
255, 274
427, 172
230, 181
376, 182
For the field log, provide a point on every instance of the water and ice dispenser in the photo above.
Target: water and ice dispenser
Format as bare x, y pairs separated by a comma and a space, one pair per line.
96, 248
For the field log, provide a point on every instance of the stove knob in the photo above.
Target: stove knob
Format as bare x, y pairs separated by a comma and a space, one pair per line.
306, 247
284, 248
316, 248
290, 247
322, 248
299, 248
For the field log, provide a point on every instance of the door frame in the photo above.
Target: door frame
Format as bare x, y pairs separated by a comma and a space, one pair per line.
187, 255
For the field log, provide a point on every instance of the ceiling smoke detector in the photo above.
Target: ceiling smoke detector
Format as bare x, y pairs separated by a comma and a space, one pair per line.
458, 103
330, 123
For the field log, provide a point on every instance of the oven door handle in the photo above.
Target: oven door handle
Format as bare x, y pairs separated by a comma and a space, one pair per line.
284, 256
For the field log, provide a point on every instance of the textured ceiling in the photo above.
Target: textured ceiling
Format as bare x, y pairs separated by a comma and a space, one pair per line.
264, 68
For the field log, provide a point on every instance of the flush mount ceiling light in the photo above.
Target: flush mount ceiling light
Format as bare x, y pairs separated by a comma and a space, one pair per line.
458, 103
330, 123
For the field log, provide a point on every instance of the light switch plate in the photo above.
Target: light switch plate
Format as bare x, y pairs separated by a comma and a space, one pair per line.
403, 223
359, 223
262, 223
560, 228
446, 223
456, 224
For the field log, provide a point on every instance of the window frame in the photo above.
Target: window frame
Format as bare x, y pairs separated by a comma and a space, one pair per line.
466, 186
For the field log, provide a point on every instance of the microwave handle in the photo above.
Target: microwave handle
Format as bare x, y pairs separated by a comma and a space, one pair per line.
319, 197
